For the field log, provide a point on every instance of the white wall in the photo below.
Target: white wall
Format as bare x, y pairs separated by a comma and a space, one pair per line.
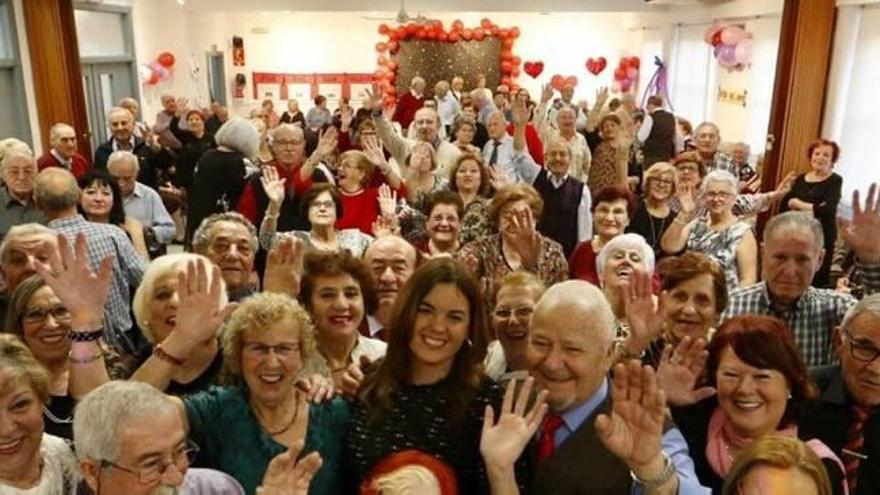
27, 71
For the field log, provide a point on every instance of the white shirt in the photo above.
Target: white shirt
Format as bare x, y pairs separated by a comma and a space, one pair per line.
504, 160
645, 132
448, 109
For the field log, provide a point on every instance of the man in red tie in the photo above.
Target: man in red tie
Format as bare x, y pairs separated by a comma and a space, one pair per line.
591, 442
846, 417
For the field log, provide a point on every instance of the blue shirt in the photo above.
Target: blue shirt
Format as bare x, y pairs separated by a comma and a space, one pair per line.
673, 444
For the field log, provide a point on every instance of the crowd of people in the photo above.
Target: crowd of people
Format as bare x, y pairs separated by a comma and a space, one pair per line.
468, 292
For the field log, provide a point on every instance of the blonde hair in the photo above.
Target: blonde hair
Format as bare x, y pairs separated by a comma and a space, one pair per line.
408, 479
780, 452
254, 316
17, 360
658, 169
359, 159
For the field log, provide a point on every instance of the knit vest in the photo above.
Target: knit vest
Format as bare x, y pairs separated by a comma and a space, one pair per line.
560, 218
660, 145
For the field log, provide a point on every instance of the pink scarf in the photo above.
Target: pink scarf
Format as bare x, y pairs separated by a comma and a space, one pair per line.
722, 437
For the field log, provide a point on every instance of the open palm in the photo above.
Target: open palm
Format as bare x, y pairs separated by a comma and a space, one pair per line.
503, 442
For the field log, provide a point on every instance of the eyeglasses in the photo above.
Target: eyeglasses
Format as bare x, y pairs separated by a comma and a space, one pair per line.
38, 316
662, 182
260, 350
152, 472
323, 204
861, 352
521, 313
289, 144
718, 195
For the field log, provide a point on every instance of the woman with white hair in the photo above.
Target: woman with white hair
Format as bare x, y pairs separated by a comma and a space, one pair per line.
220, 175
721, 235
616, 265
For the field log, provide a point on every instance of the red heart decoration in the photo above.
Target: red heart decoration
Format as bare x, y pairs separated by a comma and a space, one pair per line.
534, 68
601, 63
596, 65
557, 82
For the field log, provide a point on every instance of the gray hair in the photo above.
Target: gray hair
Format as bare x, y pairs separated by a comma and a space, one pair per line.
123, 156
10, 145
158, 268
496, 114
285, 128
56, 129
797, 219
708, 124
204, 235
102, 415
415, 80
239, 135
583, 295
25, 230
54, 199
118, 110
16, 153
722, 176
869, 304
625, 241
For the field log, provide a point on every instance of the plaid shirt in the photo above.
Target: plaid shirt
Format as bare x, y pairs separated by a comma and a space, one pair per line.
128, 268
812, 318
723, 162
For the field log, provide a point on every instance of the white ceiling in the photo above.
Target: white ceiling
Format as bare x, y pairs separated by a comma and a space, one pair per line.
415, 6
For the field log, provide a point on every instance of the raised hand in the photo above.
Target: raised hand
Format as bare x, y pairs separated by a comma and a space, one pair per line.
862, 233
353, 377
200, 315
345, 117
385, 225
784, 186
601, 97
645, 321
523, 237
499, 179
680, 370
520, 112
502, 443
374, 97
687, 198
387, 201
287, 476
273, 185
546, 93
82, 291
634, 430
327, 142
374, 153
284, 266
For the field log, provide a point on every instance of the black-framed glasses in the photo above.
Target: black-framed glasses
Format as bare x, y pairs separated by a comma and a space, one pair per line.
861, 352
38, 316
522, 313
152, 472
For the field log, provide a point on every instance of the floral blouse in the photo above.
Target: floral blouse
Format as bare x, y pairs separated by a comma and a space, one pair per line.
485, 258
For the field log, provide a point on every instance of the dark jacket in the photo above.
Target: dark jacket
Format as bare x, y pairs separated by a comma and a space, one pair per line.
153, 164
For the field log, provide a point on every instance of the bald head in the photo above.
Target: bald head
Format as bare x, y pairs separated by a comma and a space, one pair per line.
56, 190
392, 261
583, 303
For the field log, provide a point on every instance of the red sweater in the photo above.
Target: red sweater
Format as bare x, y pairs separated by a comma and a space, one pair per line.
407, 106
360, 209
247, 204
78, 164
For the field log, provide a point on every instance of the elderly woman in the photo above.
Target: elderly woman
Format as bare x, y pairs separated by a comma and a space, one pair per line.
229, 240
429, 391
33, 461
220, 174
775, 461
264, 153
760, 382
337, 290
518, 246
194, 141
360, 200
323, 206
612, 210
445, 211
101, 202
470, 178
463, 130
818, 192
318, 115
515, 299
616, 265
293, 115
722, 236
421, 179
155, 307
653, 215
260, 413
610, 158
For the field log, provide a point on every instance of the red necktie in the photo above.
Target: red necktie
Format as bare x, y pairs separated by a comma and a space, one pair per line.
853, 447
546, 445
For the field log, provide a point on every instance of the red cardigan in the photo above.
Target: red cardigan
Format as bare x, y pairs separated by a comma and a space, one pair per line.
247, 204
407, 106
78, 164
360, 209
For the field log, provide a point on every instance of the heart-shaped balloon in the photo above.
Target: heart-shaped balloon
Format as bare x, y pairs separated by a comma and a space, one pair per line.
534, 68
557, 82
596, 65
601, 63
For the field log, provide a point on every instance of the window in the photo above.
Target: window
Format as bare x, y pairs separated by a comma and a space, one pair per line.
100, 34
690, 73
13, 111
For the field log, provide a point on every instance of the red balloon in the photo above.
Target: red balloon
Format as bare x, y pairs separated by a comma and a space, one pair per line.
495, 30
515, 60
514, 32
153, 80
401, 32
571, 81
467, 34
479, 34
383, 28
393, 46
382, 60
485, 22
381, 47
515, 72
507, 43
506, 81
634, 62
165, 59
457, 25
716, 38
506, 66
507, 55
503, 33
557, 82
534, 69
453, 37
620, 73
442, 36
392, 65
421, 33
411, 29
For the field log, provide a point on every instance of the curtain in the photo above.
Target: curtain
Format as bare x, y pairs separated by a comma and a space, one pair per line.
691, 71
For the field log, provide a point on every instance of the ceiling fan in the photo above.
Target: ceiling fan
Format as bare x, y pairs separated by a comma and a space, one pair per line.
402, 16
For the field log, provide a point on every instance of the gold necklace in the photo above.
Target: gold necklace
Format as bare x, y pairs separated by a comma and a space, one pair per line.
289, 424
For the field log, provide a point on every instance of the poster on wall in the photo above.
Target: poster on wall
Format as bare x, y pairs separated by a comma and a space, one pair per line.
237, 51
358, 94
301, 92
333, 92
270, 91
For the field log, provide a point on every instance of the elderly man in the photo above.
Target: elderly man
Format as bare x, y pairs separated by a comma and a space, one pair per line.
707, 138
21, 249
427, 125
483, 104
566, 130
144, 450
566, 100
140, 201
569, 353
498, 150
289, 149
409, 103
740, 154
162, 127
151, 156
846, 417
141, 128
62, 139
501, 100
219, 116
566, 218
229, 240
457, 88
57, 194
659, 133
448, 107
792, 253
16, 194
391, 261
